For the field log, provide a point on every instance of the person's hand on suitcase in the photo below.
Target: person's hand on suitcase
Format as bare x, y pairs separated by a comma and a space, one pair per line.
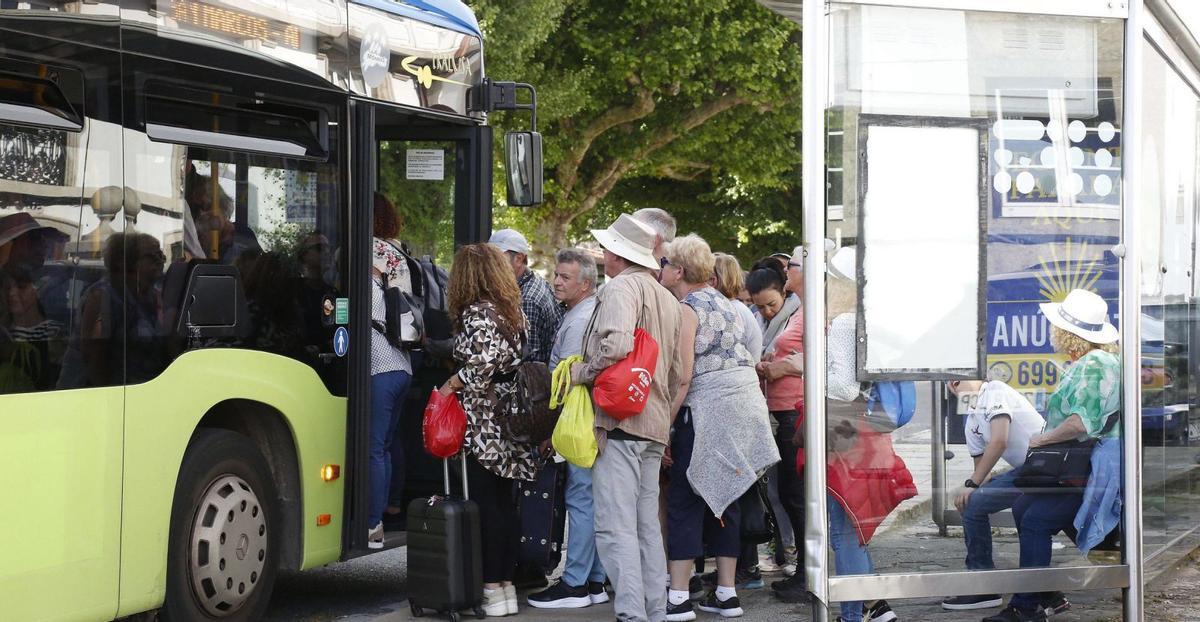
546, 448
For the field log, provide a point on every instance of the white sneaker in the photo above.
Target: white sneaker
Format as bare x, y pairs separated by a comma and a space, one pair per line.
494, 605
510, 599
766, 563
375, 537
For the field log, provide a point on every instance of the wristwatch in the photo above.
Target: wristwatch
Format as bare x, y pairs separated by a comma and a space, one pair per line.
970, 483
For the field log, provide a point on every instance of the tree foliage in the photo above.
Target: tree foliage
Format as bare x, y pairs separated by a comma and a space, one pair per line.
692, 105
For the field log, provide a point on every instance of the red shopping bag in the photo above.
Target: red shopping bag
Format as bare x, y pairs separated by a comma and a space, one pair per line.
444, 426
621, 390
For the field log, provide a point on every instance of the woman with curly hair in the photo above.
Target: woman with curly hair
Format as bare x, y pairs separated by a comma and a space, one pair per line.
485, 304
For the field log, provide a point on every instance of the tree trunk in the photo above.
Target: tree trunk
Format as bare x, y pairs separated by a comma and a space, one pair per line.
550, 235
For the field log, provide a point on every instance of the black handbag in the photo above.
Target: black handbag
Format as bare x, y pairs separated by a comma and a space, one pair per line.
1061, 467
758, 521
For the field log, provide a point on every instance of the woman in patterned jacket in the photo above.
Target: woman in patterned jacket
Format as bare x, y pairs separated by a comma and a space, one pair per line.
489, 325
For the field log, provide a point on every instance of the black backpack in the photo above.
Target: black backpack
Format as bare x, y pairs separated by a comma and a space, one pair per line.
436, 311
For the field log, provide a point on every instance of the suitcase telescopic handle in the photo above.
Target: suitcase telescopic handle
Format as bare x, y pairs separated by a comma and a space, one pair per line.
446, 474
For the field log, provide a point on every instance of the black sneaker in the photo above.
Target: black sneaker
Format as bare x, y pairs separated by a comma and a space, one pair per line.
878, 611
731, 608
681, 612
977, 601
1012, 614
1053, 604
596, 592
696, 588
561, 596
791, 590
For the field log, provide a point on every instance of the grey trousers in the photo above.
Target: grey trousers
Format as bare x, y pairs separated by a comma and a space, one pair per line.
628, 534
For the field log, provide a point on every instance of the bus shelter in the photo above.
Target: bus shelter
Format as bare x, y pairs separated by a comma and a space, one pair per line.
966, 162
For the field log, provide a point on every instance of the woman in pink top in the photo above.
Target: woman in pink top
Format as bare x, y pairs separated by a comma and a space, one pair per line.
776, 292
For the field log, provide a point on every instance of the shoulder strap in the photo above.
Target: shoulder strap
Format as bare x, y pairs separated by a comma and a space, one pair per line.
1111, 422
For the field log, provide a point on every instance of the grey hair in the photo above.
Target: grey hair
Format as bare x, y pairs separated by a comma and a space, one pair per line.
659, 220
581, 258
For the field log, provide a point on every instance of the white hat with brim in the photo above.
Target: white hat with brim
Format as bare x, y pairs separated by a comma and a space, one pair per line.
1084, 314
843, 264
629, 239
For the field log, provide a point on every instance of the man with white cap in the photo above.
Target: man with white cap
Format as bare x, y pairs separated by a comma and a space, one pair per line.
537, 298
626, 473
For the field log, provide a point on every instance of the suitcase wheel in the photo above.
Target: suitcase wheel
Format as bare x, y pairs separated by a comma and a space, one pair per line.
479, 613
454, 617
416, 609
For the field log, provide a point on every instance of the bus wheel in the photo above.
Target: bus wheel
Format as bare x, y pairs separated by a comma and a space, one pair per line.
224, 541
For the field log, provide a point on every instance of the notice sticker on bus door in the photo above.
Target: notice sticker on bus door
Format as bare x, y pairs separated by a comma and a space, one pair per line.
427, 164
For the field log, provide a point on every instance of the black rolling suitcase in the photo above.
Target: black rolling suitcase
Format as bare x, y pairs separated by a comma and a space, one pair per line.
445, 552
543, 510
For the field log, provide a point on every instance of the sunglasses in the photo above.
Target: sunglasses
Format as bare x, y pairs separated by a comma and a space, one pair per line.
663, 263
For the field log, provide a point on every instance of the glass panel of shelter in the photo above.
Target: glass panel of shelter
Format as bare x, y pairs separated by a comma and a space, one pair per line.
1047, 91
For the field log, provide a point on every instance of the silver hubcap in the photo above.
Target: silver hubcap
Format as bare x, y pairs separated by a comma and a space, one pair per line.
228, 546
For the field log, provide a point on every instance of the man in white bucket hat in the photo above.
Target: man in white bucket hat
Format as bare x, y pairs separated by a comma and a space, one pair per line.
625, 475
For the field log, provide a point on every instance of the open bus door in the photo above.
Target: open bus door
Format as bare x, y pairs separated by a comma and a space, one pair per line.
436, 171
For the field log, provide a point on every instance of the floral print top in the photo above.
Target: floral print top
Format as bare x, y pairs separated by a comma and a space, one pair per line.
1091, 388
483, 353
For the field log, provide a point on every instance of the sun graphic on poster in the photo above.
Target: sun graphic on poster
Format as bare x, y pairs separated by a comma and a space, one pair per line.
1067, 268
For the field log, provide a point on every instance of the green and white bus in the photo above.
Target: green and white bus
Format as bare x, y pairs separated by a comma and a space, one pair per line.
186, 189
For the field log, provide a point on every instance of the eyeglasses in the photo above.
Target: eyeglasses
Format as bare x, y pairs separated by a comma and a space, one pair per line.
156, 256
795, 264
663, 263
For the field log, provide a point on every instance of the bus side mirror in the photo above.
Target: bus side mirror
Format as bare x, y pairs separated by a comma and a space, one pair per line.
523, 165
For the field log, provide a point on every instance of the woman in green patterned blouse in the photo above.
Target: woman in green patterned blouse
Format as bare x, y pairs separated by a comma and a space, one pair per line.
1085, 404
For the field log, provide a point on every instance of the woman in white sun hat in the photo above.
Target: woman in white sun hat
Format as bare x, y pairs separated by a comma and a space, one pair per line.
1085, 405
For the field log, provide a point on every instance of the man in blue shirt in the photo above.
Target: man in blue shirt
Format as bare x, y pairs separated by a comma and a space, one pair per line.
582, 581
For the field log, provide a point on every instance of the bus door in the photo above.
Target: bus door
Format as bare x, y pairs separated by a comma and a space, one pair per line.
434, 171
60, 426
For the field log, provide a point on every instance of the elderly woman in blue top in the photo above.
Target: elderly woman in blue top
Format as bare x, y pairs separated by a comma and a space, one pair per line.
721, 438
1085, 404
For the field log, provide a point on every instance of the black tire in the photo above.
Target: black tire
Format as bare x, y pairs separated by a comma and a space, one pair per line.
222, 467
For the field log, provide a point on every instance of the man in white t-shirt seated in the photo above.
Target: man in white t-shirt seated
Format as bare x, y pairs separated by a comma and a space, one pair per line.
998, 426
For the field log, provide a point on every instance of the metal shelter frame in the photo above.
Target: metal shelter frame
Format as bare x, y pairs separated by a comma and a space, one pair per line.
1129, 574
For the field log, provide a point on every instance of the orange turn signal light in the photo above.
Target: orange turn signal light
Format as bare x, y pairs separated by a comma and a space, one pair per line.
330, 472
324, 519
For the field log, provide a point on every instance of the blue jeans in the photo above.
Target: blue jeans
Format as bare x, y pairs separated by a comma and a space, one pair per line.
387, 399
1039, 518
583, 564
994, 496
849, 557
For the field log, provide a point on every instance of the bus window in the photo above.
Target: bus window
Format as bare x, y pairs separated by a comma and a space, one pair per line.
277, 221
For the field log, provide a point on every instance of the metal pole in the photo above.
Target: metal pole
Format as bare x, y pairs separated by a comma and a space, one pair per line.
1131, 300
937, 457
815, 51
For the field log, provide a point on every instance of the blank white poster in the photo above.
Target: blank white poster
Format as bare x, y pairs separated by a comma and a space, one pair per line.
921, 249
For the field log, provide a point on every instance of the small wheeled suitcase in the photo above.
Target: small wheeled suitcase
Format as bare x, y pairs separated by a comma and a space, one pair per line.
445, 552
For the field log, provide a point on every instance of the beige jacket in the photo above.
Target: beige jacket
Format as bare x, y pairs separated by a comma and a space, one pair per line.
635, 300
